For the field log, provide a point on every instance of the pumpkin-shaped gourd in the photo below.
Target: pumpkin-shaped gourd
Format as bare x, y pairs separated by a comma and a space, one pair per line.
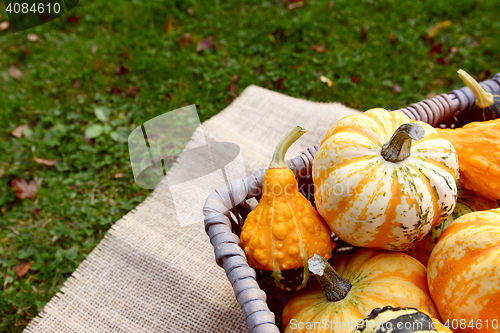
382, 180
352, 287
478, 149
400, 320
467, 202
284, 230
464, 273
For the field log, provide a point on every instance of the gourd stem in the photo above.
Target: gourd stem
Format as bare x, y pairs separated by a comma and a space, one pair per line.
399, 146
278, 160
335, 286
483, 99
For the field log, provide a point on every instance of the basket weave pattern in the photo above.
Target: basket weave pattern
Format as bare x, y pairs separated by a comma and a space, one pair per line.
227, 208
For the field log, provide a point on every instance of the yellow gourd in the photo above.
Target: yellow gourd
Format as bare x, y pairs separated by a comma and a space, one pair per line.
284, 230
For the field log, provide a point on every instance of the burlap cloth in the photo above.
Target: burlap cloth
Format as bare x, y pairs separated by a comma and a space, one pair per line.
149, 274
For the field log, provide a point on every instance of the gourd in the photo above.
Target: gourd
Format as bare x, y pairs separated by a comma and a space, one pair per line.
382, 180
284, 230
464, 272
355, 284
478, 148
487, 103
400, 320
467, 202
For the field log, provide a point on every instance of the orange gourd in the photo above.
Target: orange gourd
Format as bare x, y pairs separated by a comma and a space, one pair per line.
464, 273
284, 230
478, 149
352, 287
467, 202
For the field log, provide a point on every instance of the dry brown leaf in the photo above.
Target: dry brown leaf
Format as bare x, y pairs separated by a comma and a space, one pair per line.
132, 91
168, 26
295, 4
94, 48
205, 44
392, 38
4, 26
121, 71
15, 72
33, 37
22, 268
232, 86
186, 39
437, 28
396, 88
190, 12
18, 131
24, 189
118, 175
44, 161
326, 80
319, 48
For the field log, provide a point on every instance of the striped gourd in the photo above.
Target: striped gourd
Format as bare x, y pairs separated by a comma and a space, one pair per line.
467, 202
383, 181
352, 287
464, 272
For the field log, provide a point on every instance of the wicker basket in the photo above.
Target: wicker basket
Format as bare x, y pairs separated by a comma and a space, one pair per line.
227, 208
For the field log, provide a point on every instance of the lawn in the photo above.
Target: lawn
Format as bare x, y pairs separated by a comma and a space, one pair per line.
118, 64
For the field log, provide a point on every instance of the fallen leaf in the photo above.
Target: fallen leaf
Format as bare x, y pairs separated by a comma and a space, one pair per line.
271, 37
132, 91
168, 26
18, 131
22, 268
190, 11
35, 211
186, 39
125, 54
93, 49
279, 83
396, 88
90, 141
259, 69
205, 44
15, 72
24, 189
4, 26
392, 38
73, 187
319, 48
436, 49
295, 4
232, 86
44, 161
118, 175
168, 96
354, 79
363, 33
76, 84
97, 65
437, 28
326, 80
72, 19
116, 91
453, 49
33, 37
121, 71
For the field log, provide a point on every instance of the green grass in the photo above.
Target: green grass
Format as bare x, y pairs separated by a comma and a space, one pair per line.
71, 71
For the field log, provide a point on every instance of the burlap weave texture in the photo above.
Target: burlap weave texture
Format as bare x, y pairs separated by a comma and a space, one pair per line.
149, 274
